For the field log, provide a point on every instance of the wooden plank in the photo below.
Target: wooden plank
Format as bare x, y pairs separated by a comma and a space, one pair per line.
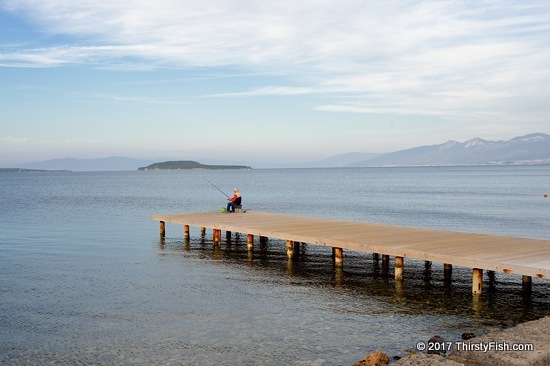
525, 256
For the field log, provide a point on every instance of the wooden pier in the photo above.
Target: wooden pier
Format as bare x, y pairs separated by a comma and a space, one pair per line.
521, 256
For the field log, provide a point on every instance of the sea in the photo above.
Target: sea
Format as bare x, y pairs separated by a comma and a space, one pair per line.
86, 280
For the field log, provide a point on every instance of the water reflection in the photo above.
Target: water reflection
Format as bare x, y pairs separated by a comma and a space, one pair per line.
447, 275
186, 244
338, 276
250, 258
427, 288
290, 267
477, 305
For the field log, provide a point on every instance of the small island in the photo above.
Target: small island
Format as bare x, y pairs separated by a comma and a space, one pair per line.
189, 165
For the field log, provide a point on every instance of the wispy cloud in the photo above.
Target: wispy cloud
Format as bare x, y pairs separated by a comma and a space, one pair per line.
271, 90
146, 100
401, 57
14, 140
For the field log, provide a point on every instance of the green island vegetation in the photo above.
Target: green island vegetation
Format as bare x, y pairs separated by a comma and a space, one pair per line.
189, 165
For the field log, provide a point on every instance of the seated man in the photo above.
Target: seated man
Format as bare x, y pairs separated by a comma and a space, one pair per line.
234, 201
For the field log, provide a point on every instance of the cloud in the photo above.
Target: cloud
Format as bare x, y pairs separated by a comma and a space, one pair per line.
223, 32
272, 90
14, 140
146, 100
400, 57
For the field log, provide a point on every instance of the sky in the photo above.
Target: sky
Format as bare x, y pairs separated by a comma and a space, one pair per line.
259, 82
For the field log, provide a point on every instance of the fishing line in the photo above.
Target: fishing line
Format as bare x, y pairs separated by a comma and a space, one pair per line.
216, 187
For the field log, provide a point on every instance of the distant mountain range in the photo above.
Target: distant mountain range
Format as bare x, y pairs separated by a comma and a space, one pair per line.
114, 163
337, 161
523, 150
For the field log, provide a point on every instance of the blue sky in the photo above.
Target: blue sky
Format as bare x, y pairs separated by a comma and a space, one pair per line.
258, 82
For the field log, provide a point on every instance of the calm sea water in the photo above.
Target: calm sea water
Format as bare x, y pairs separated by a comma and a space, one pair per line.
85, 280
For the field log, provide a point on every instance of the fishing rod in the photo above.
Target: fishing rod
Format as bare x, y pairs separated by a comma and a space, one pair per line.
216, 187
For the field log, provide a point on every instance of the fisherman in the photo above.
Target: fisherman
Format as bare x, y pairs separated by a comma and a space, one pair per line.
234, 201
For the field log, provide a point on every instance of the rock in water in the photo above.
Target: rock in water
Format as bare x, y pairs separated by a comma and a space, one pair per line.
436, 345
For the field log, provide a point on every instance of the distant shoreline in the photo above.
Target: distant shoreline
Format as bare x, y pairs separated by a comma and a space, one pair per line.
20, 170
231, 167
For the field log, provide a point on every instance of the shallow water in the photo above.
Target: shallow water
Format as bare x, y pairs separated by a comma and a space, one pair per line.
85, 280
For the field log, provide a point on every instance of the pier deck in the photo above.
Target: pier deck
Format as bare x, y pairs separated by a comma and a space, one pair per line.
522, 256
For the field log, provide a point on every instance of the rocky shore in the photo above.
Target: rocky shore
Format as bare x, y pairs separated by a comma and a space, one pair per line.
526, 344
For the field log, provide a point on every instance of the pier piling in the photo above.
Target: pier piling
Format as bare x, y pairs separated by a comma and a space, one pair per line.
527, 283
399, 268
338, 257
162, 229
448, 274
290, 249
216, 236
186, 231
477, 281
